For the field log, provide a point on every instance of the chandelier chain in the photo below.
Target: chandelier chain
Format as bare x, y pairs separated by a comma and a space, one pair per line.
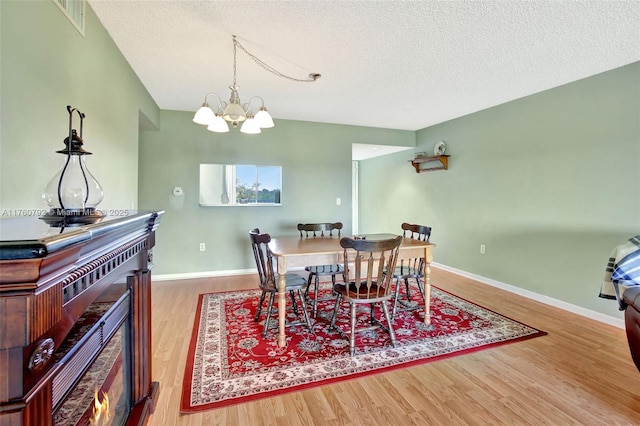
312, 77
234, 60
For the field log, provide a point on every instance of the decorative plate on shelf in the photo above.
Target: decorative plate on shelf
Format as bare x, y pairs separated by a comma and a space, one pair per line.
439, 148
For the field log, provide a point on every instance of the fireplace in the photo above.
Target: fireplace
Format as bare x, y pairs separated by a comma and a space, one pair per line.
97, 365
78, 348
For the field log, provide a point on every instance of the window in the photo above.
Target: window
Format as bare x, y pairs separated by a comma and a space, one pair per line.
74, 10
240, 185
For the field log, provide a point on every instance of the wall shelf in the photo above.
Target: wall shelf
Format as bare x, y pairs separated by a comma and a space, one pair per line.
442, 159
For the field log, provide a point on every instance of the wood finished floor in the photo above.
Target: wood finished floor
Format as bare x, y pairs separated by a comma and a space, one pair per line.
580, 373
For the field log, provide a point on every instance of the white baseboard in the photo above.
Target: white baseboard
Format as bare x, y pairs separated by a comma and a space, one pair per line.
204, 274
578, 310
209, 274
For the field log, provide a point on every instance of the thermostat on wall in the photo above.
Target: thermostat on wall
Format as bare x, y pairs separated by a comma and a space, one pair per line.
177, 191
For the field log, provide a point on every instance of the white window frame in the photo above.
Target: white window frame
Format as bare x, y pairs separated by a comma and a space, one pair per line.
65, 6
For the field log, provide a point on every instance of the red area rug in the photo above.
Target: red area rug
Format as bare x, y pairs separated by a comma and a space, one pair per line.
229, 362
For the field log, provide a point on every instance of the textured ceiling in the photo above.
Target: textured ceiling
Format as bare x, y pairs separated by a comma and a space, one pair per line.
399, 65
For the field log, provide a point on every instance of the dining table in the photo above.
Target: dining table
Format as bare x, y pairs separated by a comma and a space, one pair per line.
294, 253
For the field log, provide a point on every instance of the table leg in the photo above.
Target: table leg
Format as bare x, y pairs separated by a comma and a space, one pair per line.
282, 300
428, 258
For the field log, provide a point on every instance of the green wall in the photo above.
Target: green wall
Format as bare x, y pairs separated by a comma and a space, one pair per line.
316, 169
47, 64
549, 183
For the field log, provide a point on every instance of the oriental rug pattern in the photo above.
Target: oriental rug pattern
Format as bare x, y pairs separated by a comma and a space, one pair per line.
229, 362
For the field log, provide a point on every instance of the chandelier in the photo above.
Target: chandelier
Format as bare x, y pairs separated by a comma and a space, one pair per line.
234, 111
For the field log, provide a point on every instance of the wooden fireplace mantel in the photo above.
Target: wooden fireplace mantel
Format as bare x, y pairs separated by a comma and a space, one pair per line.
48, 278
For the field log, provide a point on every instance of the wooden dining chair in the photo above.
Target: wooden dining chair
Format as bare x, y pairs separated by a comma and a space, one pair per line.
410, 268
269, 281
365, 262
313, 230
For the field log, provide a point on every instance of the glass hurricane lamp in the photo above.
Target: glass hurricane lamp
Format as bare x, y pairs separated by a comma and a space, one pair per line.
73, 193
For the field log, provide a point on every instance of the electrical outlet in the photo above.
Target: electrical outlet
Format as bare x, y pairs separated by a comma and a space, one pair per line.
482, 248
202, 247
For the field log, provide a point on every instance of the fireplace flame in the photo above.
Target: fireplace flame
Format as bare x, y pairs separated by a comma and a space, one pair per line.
101, 412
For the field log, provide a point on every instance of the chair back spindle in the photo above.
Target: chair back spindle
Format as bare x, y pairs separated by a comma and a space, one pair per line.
319, 229
416, 232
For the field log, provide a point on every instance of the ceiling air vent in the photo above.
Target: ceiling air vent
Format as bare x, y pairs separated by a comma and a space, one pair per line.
74, 10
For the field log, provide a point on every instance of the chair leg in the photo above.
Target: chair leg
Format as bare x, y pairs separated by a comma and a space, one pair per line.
406, 284
262, 296
335, 311
316, 285
304, 310
420, 287
395, 298
371, 314
266, 322
293, 301
352, 335
392, 333
306, 290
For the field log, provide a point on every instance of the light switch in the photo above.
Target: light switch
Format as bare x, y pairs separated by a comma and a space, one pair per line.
338, 201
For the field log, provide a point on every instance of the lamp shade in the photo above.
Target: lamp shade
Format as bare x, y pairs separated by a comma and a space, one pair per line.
264, 119
218, 125
204, 115
234, 112
250, 126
